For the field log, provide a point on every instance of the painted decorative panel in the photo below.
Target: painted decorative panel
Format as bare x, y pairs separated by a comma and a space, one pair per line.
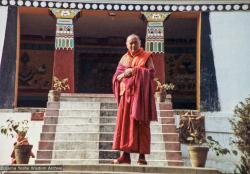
35, 70
181, 71
35, 73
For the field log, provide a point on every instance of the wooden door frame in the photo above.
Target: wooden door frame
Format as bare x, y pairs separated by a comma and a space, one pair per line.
17, 58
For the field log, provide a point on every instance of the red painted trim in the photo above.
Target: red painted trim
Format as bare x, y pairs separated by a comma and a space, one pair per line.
64, 67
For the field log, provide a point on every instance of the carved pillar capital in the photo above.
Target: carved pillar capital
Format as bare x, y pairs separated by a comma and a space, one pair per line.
155, 31
64, 28
156, 16
155, 40
64, 13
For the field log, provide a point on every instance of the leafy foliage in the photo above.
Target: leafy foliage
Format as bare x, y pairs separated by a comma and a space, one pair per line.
217, 147
192, 128
60, 85
12, 126
243, 168
241, 127
163, 87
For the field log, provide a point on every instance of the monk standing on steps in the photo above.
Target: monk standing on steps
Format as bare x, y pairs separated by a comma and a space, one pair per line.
133, 89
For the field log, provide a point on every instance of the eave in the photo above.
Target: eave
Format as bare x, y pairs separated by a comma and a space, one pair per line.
136, 5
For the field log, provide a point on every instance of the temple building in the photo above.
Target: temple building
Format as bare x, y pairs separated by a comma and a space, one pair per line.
91, 39
201, 46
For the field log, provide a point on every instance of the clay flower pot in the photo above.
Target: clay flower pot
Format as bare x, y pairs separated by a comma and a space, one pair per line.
54, 95
160, 96
198, 155
22, 153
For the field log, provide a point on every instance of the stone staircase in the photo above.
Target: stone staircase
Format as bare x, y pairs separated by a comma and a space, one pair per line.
79, 130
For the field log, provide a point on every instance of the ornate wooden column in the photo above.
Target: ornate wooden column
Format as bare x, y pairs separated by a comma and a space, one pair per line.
64, 46
155, 40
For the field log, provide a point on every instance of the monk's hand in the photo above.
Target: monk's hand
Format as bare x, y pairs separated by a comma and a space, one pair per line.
120, 77
128, 72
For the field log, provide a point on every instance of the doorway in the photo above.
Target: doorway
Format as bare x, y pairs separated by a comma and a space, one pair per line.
37, 31
100, 38
95, 71
181, 58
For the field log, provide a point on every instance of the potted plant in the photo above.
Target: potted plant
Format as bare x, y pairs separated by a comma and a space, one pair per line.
193, 132
58, 87
22, 149
162, 90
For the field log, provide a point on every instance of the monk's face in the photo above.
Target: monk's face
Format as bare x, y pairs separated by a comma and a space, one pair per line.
133, 45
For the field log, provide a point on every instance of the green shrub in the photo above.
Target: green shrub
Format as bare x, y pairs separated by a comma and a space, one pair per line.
241, 127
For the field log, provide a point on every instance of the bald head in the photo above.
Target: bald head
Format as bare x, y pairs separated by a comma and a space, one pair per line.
134, 36
133, 43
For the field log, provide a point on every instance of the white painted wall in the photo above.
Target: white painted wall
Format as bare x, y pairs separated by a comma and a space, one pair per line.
35, 128
3, 20
230, 35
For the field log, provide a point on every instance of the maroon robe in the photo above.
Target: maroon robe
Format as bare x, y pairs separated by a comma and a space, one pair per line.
136, 108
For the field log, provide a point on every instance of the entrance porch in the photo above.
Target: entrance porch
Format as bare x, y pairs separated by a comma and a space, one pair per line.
99, 44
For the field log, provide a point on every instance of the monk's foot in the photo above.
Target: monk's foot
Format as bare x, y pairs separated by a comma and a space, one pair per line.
13, 161
121, 160
142, 162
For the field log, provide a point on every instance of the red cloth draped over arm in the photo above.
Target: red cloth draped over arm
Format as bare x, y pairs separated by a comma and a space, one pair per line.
143, 107
139, 88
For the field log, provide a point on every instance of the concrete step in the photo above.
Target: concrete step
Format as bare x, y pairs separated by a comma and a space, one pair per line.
105, 154
69, 145
70, 120
62, 104
74, 172
165, 113
112, 169
105, 98
102, 145
108, 112
78, 145
93, 119
90, 112
109, 105
162, 163
107, 127
73, 105
96, 136
79, 112
167, 120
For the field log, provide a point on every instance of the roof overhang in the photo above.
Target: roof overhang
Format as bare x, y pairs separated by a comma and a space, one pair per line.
136, 5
